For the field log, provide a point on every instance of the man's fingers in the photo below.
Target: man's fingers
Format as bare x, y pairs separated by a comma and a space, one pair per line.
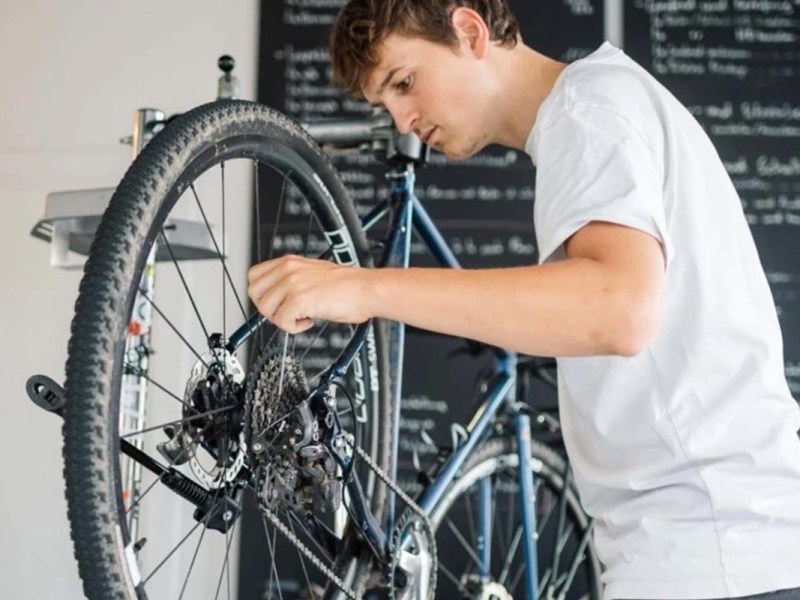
291, 318
269, 304
260, 286
260, 269
270, 277
265, 267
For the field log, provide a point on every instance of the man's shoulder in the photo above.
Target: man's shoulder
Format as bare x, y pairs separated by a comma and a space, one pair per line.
614, 84
606, 94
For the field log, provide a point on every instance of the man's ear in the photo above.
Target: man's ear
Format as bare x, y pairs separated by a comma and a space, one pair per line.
471, 30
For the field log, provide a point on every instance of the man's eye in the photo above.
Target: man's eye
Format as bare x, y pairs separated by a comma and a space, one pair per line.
404, 85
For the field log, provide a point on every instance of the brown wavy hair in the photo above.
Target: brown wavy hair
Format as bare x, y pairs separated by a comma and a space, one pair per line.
362, 25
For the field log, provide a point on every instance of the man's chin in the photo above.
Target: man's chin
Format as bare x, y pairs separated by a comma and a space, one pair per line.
453, 152
459, 153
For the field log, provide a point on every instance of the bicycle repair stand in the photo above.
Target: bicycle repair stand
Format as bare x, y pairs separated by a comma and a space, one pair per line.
69, 225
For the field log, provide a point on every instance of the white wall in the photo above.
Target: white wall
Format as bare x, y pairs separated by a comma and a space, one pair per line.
72, 75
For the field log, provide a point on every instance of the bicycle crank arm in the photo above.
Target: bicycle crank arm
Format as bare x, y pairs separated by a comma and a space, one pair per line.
220, 513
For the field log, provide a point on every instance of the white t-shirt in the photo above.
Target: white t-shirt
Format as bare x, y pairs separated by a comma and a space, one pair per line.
687, 454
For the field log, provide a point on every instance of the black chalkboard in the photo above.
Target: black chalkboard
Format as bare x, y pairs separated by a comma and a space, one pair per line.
736, 65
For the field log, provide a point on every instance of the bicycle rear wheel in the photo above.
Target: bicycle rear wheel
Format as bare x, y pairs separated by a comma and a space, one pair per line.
566, 569
154, 503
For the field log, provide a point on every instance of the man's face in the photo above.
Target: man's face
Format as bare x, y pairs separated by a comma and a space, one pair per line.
433, 91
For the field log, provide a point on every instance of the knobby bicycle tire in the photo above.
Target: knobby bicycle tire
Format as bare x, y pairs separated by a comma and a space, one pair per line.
200, 139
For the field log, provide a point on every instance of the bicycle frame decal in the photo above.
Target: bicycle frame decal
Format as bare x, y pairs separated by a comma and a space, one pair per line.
341, 244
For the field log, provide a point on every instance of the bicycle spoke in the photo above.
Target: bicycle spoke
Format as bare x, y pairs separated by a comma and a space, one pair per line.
219, 253
258, 213
259, 253
228, 538
139, 373
278, 214
565, 538
215, 411
302, 561
194, 558
225, 571
311, 345
460, 538
471, 519
273, 570
185, 285
542, 523
283, 364
517, 577
293, 518
175, 549
501, 540
305, 254
171, 326
448, 574
199, 542
511, 515
562, 513
579, 556
511, 554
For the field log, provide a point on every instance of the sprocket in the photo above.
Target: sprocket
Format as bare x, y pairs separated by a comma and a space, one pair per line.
276, 385
283, 435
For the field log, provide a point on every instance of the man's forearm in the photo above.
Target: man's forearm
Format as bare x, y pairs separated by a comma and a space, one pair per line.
575, 307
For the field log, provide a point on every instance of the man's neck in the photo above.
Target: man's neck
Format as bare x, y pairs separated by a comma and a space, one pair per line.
527, 78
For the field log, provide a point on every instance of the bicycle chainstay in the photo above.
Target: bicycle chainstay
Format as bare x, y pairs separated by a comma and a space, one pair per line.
327, 571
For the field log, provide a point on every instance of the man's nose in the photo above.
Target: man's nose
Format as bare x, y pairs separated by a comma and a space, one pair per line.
405, 117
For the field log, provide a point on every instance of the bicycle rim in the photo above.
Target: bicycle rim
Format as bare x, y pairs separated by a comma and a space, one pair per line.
135, 537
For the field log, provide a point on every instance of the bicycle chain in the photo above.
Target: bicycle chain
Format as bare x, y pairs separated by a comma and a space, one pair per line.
301, 546
415, 508
328, 572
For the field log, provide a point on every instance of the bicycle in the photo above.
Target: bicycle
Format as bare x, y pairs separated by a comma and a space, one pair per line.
309, 438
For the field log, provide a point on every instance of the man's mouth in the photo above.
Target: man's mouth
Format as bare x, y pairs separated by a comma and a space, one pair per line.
427, 137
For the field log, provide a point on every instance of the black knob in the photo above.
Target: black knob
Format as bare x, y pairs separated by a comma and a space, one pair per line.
226, 63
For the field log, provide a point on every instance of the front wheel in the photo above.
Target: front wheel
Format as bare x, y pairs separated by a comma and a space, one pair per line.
170, 431
488, 561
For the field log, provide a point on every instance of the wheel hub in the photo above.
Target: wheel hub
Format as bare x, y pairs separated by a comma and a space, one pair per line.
483, 589
210, 438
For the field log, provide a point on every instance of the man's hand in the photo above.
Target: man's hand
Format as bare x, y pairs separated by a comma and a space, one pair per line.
293, 291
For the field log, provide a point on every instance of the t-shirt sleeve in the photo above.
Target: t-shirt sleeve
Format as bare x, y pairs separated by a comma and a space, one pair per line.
594, 165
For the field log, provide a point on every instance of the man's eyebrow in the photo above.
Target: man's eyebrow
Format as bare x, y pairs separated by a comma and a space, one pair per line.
388, 78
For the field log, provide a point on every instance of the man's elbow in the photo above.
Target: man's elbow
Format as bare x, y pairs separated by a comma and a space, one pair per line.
637, 326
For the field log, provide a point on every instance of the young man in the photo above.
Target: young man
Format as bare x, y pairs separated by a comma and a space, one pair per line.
677, 418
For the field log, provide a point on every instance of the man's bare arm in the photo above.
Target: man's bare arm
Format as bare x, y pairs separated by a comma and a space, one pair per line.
605, 298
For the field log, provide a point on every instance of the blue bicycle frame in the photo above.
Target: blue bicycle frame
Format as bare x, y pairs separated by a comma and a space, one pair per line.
411, 215
407, 215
